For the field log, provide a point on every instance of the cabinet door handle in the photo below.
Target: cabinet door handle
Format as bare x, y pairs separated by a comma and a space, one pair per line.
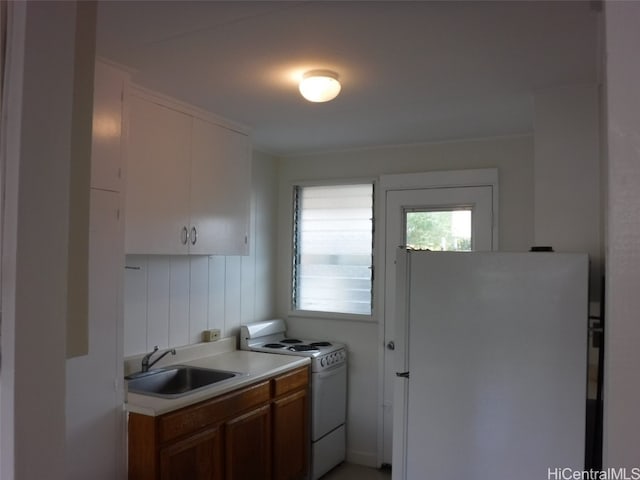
194, 235
184, 237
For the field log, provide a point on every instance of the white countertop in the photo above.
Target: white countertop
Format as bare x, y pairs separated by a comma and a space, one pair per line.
255, 367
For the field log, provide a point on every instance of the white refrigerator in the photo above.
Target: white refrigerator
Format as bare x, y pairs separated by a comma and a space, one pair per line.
492, 365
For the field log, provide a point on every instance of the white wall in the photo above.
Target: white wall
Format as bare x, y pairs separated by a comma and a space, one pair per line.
170, 300
513, 156
622, 380
567, 174
35, 239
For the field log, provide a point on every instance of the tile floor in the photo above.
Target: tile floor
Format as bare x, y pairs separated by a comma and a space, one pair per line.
349, 471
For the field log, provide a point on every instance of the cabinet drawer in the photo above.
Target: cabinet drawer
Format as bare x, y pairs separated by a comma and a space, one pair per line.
290, 381
192, 418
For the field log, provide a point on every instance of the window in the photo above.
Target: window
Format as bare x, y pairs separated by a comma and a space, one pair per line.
439, 230
333, 245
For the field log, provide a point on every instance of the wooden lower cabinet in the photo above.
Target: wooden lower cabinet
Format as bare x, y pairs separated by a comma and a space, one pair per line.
258, 432
198, 457
248, 445
290, 424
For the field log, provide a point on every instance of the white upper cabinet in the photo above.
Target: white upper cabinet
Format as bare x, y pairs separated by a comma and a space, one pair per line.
106, 144
220, 190
188, 183
158, 175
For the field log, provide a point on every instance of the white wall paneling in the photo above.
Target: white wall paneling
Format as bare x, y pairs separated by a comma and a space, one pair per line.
247, 289
217, 279
170, 300
248, 274
232, 296
180, 303
135, 304
158, 283
198, 297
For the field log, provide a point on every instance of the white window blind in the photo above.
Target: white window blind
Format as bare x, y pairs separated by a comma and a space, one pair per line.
333, 230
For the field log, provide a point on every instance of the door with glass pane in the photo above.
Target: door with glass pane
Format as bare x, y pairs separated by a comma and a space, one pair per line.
437, 219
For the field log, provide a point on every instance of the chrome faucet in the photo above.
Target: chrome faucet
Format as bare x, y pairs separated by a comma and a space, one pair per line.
145, 360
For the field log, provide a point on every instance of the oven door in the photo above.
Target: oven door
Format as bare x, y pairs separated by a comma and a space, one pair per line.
329, 400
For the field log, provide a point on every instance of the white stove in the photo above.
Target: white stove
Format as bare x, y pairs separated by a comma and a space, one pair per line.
328, 386
270, 336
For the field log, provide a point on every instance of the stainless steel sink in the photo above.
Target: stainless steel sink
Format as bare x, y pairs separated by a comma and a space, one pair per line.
177, 380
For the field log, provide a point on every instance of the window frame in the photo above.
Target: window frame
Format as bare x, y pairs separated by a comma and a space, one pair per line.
318, 314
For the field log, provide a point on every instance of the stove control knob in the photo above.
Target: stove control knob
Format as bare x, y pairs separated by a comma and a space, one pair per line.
322, 362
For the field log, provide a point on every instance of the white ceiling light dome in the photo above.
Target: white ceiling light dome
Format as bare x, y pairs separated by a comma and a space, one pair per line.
320, 85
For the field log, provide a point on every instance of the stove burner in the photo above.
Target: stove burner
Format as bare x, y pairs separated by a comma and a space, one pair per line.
290, 340
302, 348
273, 345
320, 344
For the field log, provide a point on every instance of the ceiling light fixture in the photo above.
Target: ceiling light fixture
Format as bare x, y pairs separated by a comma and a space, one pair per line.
320, 86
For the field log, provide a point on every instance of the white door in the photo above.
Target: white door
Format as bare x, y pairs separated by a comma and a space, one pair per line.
449, 218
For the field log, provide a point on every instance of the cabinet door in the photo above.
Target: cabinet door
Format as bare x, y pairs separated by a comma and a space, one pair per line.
158, 176
291, 436
220, 190
198, 457
106, 148
248, 445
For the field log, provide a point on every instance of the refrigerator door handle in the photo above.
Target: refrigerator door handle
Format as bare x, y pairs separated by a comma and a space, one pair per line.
402, 374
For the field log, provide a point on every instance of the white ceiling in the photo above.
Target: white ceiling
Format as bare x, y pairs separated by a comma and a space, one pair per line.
411, 71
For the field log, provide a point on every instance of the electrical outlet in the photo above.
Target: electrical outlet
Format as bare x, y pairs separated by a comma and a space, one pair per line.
211, 335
